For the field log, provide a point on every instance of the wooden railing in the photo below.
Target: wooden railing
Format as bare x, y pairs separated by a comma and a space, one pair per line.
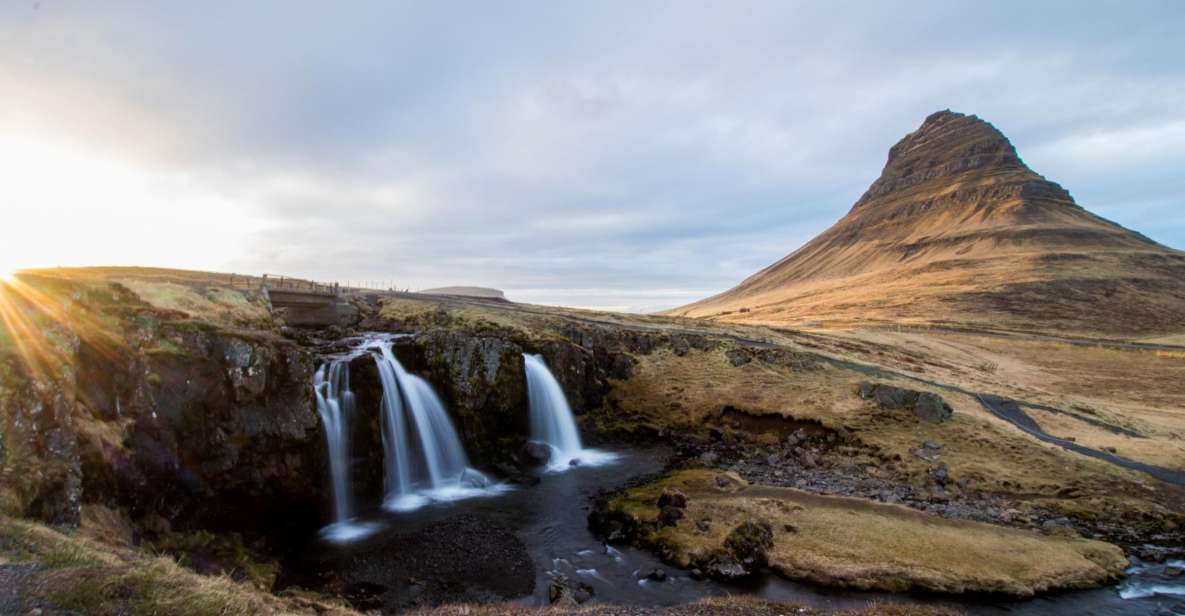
288, 283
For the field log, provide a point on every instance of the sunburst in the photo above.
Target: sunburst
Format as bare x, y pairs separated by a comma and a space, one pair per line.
32, 319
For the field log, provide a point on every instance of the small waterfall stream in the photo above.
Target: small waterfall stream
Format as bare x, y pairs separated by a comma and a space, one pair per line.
552, 421
335, 405
423, 459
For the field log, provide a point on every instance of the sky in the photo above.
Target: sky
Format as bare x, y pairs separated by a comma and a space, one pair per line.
617, 155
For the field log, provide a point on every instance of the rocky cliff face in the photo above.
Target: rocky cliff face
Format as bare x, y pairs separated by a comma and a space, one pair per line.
189, 424
164, 417
957, 228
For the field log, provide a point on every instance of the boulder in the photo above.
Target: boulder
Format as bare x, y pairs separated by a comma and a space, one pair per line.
738, 357
927, 406
566, 592
669, 516
931, 407
725, 568
535, 453
749, 543
672, 498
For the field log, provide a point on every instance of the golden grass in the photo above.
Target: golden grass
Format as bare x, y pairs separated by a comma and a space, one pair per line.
1178, 339
213, 304
858, 543
109, 580
682, 394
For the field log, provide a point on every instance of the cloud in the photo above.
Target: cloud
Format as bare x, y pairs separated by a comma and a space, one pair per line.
617, 155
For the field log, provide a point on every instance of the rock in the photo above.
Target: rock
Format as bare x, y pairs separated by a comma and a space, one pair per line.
739, 357
658, 575
866, 390
931, 445
1059, 526
672, 498
725, 568
669, 516
940, 474
566, 592
622, 367
749, 542
808, 460
931, 407
890, 397
696, 574
535, 453
730, 481
709, 458
1174, 571
926, 405
703, 525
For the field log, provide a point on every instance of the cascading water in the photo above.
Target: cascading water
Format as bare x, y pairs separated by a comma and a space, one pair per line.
335, 405
424, 458
552, 422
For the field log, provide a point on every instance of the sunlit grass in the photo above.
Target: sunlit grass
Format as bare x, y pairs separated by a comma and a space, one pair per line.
37, 325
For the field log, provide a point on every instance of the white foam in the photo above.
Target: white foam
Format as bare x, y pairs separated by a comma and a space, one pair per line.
583, 458
1139, 590
347, 531
471, 484
592, 573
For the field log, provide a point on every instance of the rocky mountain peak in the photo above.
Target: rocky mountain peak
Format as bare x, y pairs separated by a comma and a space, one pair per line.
947, 144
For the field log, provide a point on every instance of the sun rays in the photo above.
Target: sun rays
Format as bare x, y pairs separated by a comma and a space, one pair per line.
42, 324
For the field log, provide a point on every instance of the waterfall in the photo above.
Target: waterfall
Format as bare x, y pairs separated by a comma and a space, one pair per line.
335, 405
552, 421
424, 459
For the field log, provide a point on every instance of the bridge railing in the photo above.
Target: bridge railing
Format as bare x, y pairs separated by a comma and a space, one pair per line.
288, 283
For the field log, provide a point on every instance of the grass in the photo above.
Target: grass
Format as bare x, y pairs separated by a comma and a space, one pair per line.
857, 543
213, 304
1175, 339
98, 579
685, 395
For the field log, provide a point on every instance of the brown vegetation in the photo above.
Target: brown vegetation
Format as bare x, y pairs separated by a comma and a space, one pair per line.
958, 229
841, 541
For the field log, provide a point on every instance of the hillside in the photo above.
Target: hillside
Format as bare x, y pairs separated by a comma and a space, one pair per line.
957, 229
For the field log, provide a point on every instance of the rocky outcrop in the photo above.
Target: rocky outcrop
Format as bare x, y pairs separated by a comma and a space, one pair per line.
159, 415
927, 406
482, 377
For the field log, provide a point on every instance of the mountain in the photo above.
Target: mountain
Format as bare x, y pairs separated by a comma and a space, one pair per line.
957, 229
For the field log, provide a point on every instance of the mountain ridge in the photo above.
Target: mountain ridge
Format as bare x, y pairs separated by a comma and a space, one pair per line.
954, 215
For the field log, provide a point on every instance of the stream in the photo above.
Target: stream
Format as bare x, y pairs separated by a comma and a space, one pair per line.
551, 520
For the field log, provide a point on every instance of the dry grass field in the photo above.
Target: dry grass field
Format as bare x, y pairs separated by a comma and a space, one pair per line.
858, 543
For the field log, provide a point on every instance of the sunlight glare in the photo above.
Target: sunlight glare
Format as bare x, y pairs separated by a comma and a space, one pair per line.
65, 206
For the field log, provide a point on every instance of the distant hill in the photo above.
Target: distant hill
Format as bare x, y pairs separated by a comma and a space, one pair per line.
480, 292
958, 229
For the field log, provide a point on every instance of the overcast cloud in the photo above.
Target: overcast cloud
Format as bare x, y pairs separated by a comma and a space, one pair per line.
622, 155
